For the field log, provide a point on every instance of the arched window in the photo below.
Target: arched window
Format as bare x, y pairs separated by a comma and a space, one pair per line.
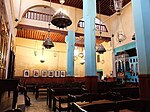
99, 26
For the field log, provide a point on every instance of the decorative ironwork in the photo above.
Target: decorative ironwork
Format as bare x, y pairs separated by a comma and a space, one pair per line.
60, 19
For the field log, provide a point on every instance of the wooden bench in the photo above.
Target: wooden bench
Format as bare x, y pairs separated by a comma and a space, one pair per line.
41, 90
127, 91
134, 105
63, 103
55, 93
95, 106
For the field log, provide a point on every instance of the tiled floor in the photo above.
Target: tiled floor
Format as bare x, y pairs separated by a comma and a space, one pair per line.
37, 105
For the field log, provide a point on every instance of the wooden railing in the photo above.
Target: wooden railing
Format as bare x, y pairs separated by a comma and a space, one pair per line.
98, 27
37, 16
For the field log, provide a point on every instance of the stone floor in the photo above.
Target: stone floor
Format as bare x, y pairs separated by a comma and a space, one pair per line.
37, 105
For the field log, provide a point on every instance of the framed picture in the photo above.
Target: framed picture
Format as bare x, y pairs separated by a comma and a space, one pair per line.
57, 73
26, 73
44, 73
51, 73
36, 73
63, 73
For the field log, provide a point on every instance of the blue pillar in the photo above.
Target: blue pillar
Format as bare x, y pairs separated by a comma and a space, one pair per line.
70, 40
141, 13
89, 14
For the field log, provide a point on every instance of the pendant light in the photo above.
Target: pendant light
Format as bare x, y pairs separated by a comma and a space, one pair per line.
100, 48
42, 60
48, 43
118, 5
60, 19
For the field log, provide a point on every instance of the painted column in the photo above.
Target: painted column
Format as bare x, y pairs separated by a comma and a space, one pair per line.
70, 40
141, 13
89, 14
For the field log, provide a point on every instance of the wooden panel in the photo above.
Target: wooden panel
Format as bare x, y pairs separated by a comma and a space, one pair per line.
54, 80
144, 85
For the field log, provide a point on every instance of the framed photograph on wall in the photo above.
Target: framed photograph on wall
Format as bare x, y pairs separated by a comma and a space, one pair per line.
63, 73
26, 73
57, 73
51, 73
36, 73
44, 73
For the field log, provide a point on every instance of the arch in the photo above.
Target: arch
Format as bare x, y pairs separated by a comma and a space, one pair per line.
36, 6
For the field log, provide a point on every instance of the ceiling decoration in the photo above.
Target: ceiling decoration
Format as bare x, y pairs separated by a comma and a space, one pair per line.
105, 5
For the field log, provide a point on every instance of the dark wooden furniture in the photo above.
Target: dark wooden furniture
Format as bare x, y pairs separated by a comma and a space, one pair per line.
134, 105
41, 90
50, 80
132, 92
30, 87
9, 85
59, 94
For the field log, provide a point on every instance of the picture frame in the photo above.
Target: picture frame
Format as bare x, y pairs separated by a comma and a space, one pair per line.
36, 73
51, 73
57, 73
63, 73
44, 73
26, 73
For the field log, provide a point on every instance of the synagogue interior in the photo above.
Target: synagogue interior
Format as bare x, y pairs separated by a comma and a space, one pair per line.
74, 56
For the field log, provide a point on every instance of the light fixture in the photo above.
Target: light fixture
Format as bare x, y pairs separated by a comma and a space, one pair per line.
82, 53
48, 43
60, 19
133, 36
42, 60
121, 36
118, 5
82, 61
100, 48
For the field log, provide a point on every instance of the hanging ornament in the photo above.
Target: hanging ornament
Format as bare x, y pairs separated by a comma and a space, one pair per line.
60, 19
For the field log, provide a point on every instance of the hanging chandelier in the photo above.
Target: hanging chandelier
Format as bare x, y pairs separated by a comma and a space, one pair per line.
48, 43
60, 19
118, 5
100, 48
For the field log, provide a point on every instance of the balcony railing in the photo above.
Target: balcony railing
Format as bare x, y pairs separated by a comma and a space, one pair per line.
37, 16
98, 27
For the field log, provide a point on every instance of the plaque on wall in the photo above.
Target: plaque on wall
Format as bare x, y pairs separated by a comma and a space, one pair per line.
36, 73
44, 73
57, 73
26, 73
51, 73
63, 73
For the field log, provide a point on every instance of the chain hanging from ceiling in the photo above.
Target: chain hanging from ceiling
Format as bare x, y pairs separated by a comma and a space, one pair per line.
48, 43
100, 48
